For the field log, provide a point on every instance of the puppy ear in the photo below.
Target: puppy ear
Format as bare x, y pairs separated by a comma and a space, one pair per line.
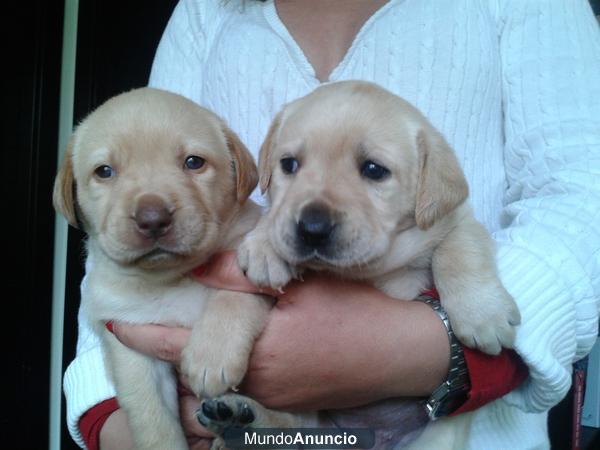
264, 158
63, 197
442, 186
246, 172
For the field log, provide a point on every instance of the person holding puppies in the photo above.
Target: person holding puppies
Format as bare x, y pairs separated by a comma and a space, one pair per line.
511, 85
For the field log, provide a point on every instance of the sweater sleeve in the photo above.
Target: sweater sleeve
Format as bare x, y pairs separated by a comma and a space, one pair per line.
85, 382
93, 420
549, 248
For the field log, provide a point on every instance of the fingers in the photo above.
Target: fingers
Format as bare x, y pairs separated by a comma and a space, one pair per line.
158, 341
166, 343
223, 272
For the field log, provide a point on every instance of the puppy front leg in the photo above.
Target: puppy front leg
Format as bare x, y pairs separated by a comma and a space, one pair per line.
147, 391
482, 313
216, 356
260, 262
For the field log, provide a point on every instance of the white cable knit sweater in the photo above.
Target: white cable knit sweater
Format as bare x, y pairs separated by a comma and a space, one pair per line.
514, 85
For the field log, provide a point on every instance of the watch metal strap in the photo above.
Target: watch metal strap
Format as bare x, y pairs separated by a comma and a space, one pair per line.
449, 395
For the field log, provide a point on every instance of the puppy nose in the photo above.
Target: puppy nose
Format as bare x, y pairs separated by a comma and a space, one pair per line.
315, 225
152, 216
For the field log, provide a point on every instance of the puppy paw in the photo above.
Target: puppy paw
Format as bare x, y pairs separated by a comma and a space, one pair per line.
262, 265
485, 320
213, 369
227, 411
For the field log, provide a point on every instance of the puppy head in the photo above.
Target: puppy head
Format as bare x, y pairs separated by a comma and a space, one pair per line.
154, 179
348, 168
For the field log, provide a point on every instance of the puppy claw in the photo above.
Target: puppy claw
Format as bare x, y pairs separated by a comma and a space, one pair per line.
262, 266
204, 375
489, 328
212, 373
515, 318
218, 444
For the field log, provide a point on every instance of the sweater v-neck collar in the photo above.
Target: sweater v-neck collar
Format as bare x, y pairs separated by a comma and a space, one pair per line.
303, 65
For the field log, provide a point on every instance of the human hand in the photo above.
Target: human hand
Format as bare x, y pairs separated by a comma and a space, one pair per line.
116, 435
331, 343
164, 343
328, 343
167, 343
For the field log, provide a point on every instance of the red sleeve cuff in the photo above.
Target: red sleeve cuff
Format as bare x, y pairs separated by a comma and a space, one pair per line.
93, 419
491, 377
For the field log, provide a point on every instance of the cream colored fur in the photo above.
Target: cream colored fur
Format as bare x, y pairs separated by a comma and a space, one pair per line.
403, 233
145, 136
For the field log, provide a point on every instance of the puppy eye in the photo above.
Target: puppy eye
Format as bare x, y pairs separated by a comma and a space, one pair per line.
373, 171
194, 162
289, 165
104, 171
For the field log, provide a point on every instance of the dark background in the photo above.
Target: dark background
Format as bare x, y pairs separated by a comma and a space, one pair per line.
116, 44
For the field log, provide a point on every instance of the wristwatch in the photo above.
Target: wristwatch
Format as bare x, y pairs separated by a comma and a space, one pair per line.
452, 393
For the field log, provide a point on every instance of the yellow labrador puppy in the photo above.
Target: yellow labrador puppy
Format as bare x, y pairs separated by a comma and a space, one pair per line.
159, 184
362, 185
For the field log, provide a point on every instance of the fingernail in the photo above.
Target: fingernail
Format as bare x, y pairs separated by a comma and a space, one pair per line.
199, 271
109, 326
